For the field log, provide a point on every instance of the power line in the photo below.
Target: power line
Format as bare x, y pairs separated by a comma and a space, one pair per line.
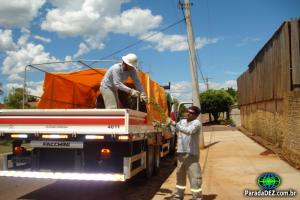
140, 41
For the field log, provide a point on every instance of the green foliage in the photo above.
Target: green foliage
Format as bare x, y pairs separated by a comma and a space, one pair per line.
14, 100
233, 93
215, 102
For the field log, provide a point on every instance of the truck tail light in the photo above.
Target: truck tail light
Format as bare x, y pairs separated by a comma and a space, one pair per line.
123, 137
94, 137
55, 136
18, 135
105, 153
18, 150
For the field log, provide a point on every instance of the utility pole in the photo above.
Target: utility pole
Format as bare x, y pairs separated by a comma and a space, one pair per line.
206, 82
193, 66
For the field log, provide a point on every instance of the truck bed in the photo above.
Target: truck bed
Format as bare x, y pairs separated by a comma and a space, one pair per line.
73, 121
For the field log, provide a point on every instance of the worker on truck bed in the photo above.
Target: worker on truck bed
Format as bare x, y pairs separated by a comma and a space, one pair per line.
114, 78
188, 154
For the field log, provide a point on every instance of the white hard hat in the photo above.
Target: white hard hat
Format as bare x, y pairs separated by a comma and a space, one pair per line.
130, 59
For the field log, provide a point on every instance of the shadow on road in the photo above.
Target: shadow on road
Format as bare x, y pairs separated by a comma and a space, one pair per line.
211, 144
137, 188
209, 196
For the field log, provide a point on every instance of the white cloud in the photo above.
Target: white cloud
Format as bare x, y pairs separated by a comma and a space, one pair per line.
134, 22
94, 19
15, 77
82, 50
15, 61
68, 58
203, 41
183, 90
34, 88
163, 42
247, 40
10, 86
225, 85
94, 42
6, 40
43, 39
25, 53
18, 13
23, 40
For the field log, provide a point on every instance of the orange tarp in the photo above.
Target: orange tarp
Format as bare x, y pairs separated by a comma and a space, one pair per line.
80, 89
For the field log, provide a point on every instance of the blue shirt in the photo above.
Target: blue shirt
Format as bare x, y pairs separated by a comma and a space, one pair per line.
116, 75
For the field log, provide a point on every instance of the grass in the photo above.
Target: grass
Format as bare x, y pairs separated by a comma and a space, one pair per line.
5, 149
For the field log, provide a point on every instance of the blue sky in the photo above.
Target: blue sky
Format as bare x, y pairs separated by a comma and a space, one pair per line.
228, 35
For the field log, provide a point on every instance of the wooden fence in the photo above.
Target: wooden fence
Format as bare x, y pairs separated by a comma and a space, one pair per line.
275, 69
270, 87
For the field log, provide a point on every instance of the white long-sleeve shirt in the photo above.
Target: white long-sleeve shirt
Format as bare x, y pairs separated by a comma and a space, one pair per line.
188, 136
116, 75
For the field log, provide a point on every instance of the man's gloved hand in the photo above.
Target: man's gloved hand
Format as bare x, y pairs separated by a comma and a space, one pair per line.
169, 122
134, 93
143, 97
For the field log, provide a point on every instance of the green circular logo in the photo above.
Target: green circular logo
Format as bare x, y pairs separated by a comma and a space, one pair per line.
268, 181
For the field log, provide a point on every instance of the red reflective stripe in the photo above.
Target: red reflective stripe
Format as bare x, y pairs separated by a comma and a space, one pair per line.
116, 121
65, 115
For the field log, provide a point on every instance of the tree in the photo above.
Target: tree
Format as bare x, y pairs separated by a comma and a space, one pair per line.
233, 93
15, 99
214, 102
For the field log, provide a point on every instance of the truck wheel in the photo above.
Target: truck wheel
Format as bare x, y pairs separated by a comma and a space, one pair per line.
156, 159
149, 161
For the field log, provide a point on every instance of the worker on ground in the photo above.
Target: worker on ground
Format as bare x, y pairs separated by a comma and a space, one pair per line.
114, 78
188, 154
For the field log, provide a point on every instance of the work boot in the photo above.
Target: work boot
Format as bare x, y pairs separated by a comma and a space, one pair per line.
177, 197
197, 195
178, 194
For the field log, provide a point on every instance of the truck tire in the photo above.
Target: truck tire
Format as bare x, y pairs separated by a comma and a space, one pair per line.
156, 159
149, 161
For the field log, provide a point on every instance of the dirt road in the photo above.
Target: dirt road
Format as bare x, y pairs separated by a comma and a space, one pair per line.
231, 163
138, 188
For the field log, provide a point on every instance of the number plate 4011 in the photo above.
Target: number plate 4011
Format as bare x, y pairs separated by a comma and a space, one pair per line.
113, 126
